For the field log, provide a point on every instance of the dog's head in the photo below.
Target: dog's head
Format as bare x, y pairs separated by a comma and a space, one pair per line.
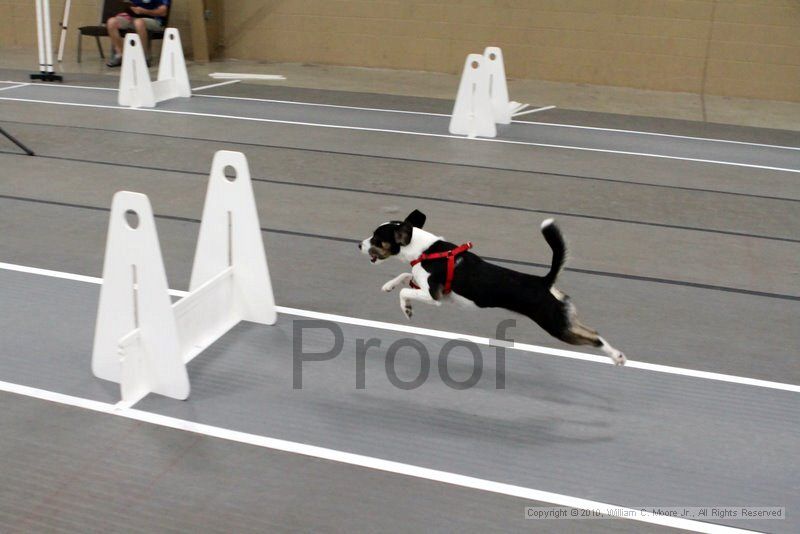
390, 237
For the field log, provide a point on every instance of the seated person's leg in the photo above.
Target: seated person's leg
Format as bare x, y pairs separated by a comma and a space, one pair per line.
145, 25
114, 25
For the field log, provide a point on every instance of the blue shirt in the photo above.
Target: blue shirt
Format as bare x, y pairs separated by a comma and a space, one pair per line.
151, 4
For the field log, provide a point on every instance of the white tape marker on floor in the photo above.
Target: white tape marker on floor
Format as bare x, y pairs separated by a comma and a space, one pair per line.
403, 132
368, 462
525, 347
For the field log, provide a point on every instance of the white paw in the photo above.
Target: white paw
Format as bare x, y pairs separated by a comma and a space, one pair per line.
388, 287
407, 311
618, 358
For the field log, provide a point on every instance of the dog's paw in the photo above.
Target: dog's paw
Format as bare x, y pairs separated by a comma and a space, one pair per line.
388, 286
407, 311
618, 358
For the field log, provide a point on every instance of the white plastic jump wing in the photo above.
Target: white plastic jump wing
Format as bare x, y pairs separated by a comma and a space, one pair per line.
502, 109
142, 340
230, 235
472, 112
136, 342
136, 89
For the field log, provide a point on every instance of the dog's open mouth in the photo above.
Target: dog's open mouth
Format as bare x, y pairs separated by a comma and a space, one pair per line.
373, 258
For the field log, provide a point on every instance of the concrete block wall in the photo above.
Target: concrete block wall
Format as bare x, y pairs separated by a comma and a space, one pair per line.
18, 26
745, 48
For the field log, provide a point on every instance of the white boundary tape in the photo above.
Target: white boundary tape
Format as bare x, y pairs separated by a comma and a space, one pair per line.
402, 132
538, 349
245, 76
368, 462
315, 104
213, 85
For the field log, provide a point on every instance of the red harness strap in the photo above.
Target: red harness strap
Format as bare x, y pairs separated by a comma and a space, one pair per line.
451, 263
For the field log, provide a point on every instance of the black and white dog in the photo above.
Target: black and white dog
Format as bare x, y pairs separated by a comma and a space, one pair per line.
471, 281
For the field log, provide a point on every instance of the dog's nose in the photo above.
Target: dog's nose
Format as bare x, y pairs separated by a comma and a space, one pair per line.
359, 246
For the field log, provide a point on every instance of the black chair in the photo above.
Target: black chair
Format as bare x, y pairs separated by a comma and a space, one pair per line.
111, 8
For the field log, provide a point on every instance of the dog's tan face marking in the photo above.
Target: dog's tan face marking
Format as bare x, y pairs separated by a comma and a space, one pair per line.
379, 249
390, 237
382, 244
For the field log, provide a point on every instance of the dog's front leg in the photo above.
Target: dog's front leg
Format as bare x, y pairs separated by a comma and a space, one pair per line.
396, 281
422, 295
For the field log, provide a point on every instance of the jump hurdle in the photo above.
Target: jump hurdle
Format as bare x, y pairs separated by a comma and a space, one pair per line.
142, 340
482, 100
135, 88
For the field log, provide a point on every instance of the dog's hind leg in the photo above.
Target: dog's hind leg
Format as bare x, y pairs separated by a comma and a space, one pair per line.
579, 334
396, 281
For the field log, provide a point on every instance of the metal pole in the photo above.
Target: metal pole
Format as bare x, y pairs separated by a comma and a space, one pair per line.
48, 37
16, 142
45, 41
40, 34
64, 24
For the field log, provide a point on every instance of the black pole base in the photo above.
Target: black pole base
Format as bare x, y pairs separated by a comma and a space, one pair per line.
47, 77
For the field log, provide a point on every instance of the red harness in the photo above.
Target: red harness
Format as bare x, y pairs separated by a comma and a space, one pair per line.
451, 263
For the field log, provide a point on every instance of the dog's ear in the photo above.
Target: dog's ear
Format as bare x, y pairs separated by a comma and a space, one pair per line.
402, 234
416, 219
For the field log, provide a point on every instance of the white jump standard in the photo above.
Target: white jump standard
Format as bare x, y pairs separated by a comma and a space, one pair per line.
482, 99
142, 340
135, 88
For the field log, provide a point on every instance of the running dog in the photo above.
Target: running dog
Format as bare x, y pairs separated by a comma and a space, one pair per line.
442, 271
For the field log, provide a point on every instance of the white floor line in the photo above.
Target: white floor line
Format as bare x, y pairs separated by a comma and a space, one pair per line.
68, 86
578, 126
657, 134
368, 462
314, 104
273, 101
407, 329
13, 86
528, 112
402, 132
245, 76
220, 84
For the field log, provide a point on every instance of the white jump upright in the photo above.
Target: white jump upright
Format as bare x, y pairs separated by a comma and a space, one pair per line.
502, 108
142, 340
482, 99
472, 111
135, 88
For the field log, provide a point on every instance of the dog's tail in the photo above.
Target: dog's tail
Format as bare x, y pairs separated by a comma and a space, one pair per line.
556, 241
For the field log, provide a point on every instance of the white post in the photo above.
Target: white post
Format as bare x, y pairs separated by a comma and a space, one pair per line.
44, 44
40, 31
48, 37
64, 25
